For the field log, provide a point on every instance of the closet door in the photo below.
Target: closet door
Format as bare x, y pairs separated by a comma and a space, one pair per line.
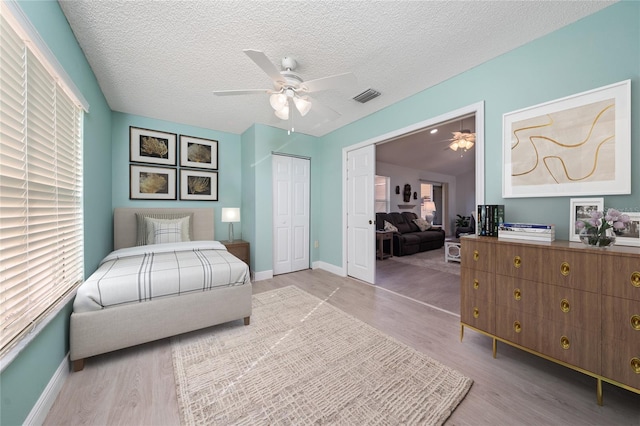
291, 178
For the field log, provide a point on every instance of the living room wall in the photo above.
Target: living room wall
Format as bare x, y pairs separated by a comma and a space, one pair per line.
598, 50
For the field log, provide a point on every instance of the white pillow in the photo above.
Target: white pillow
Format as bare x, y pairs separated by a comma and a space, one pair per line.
141, 237
422, 224
167, 230
390, 227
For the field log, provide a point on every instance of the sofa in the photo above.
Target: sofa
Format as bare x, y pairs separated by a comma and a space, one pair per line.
409, 239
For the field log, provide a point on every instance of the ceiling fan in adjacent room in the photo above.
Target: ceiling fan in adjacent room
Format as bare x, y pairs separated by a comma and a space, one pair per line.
290, 90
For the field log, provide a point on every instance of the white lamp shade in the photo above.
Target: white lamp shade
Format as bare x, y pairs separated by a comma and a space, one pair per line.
230, 214
278, 100
430, 206
283, 113
303, 105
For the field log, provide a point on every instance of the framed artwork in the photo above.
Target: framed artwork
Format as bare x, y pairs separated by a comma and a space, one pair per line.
630, 235
151, 146
198, 152
152, 183
581, 209
198, 185
578, 145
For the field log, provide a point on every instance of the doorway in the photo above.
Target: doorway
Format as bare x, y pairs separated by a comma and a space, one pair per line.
477, 110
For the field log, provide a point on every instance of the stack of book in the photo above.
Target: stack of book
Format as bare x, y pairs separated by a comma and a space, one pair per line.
490, 216
527, 231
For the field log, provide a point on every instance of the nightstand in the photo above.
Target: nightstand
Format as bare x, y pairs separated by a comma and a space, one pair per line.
238, 248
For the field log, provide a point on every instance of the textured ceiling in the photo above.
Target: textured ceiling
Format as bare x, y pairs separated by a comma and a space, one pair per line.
163, 59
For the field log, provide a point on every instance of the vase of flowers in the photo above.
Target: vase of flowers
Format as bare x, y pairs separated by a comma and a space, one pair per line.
599, 229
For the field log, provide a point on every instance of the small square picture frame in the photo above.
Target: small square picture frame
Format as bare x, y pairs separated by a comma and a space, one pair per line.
581, 209
152, 183
630, 235
198, 152
152, 146
198, 185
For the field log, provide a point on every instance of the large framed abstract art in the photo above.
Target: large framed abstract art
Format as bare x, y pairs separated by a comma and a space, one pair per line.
577, 145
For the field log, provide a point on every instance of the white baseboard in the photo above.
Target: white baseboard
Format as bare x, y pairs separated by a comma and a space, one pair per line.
49, 394
330, 268
262, 275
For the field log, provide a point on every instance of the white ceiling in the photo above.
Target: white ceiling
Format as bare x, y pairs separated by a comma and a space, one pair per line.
163, 59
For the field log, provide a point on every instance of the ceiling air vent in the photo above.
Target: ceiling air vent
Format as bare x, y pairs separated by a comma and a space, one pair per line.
366, 96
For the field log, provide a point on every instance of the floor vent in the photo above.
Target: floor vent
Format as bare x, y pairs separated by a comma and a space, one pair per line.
366, 96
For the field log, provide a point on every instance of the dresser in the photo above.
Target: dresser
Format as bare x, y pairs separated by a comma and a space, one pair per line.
239, 249
573, 305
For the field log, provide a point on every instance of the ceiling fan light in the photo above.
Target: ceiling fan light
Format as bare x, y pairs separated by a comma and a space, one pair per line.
283, 113
278, 101
454, 146
303, 105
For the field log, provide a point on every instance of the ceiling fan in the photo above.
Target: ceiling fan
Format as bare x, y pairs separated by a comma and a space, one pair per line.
289, 87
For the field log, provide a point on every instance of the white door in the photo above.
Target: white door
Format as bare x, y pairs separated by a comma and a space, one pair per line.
360, 214
290, 214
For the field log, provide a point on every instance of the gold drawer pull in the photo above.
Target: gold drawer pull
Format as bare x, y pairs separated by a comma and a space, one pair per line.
517, 327
635, 279
564, 341
635, 365
476, 284
476, 312
565, 269
517, 294
476, 255
517, 261
564, 306
635, 322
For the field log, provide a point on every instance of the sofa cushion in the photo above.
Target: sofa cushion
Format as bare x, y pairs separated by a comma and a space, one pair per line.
399, 221
390, 227
422, 224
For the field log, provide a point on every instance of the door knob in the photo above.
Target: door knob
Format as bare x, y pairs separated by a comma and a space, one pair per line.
370, 222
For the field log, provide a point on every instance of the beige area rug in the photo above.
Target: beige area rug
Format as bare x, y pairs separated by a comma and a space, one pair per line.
433, 259
303, 361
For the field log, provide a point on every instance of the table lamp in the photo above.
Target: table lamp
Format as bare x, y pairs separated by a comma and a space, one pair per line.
429, 207
230, 214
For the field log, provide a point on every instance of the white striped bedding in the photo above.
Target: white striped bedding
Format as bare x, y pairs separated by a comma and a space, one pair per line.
143, 273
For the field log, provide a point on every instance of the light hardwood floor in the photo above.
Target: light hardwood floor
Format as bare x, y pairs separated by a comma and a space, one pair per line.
135, 386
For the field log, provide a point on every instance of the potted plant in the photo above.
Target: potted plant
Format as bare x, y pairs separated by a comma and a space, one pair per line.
462, 221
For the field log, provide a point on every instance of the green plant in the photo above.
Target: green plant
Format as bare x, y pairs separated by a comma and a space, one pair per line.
462, 221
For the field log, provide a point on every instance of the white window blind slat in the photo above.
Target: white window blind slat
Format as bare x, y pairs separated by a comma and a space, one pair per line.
41, 236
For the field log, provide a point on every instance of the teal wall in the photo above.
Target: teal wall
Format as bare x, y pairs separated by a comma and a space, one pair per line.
229, 173
22, 382
266, 140
598, 50
601, 49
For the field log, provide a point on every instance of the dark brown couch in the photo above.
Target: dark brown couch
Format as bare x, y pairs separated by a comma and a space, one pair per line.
409, 239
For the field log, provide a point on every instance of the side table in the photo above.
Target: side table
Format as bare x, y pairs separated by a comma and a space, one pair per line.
238, 248
452, 250
381, 237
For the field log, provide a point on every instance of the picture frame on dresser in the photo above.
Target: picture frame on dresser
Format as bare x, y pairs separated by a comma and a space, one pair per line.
152, 146
581, 209
630, 234
198, 185
579, 145
152, 183
198, 152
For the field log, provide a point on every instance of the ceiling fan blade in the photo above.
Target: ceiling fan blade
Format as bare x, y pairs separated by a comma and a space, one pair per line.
241, 92
323, 111
266, 65
338, 81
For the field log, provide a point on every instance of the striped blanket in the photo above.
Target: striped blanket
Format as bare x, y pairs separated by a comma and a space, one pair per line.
139, 274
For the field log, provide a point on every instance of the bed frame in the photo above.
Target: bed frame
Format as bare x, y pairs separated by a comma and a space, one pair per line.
98, 332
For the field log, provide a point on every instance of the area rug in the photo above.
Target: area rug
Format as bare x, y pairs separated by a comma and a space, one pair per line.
433, 259
303, 361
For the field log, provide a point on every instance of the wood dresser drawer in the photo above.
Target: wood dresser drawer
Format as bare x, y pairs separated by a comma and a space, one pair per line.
621, 361
572, 345
623, 319
478, 285
572, 269
571, 307
519, 295
621, 277
518, 261
475, 254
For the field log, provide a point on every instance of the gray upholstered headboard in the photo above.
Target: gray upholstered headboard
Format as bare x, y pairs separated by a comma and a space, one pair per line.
124, 224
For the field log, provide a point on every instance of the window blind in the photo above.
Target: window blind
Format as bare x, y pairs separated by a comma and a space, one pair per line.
41, 230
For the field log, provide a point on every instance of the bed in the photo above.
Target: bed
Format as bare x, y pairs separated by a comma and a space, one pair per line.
111, 313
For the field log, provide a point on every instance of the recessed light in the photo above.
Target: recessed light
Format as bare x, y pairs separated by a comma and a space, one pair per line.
433, 131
